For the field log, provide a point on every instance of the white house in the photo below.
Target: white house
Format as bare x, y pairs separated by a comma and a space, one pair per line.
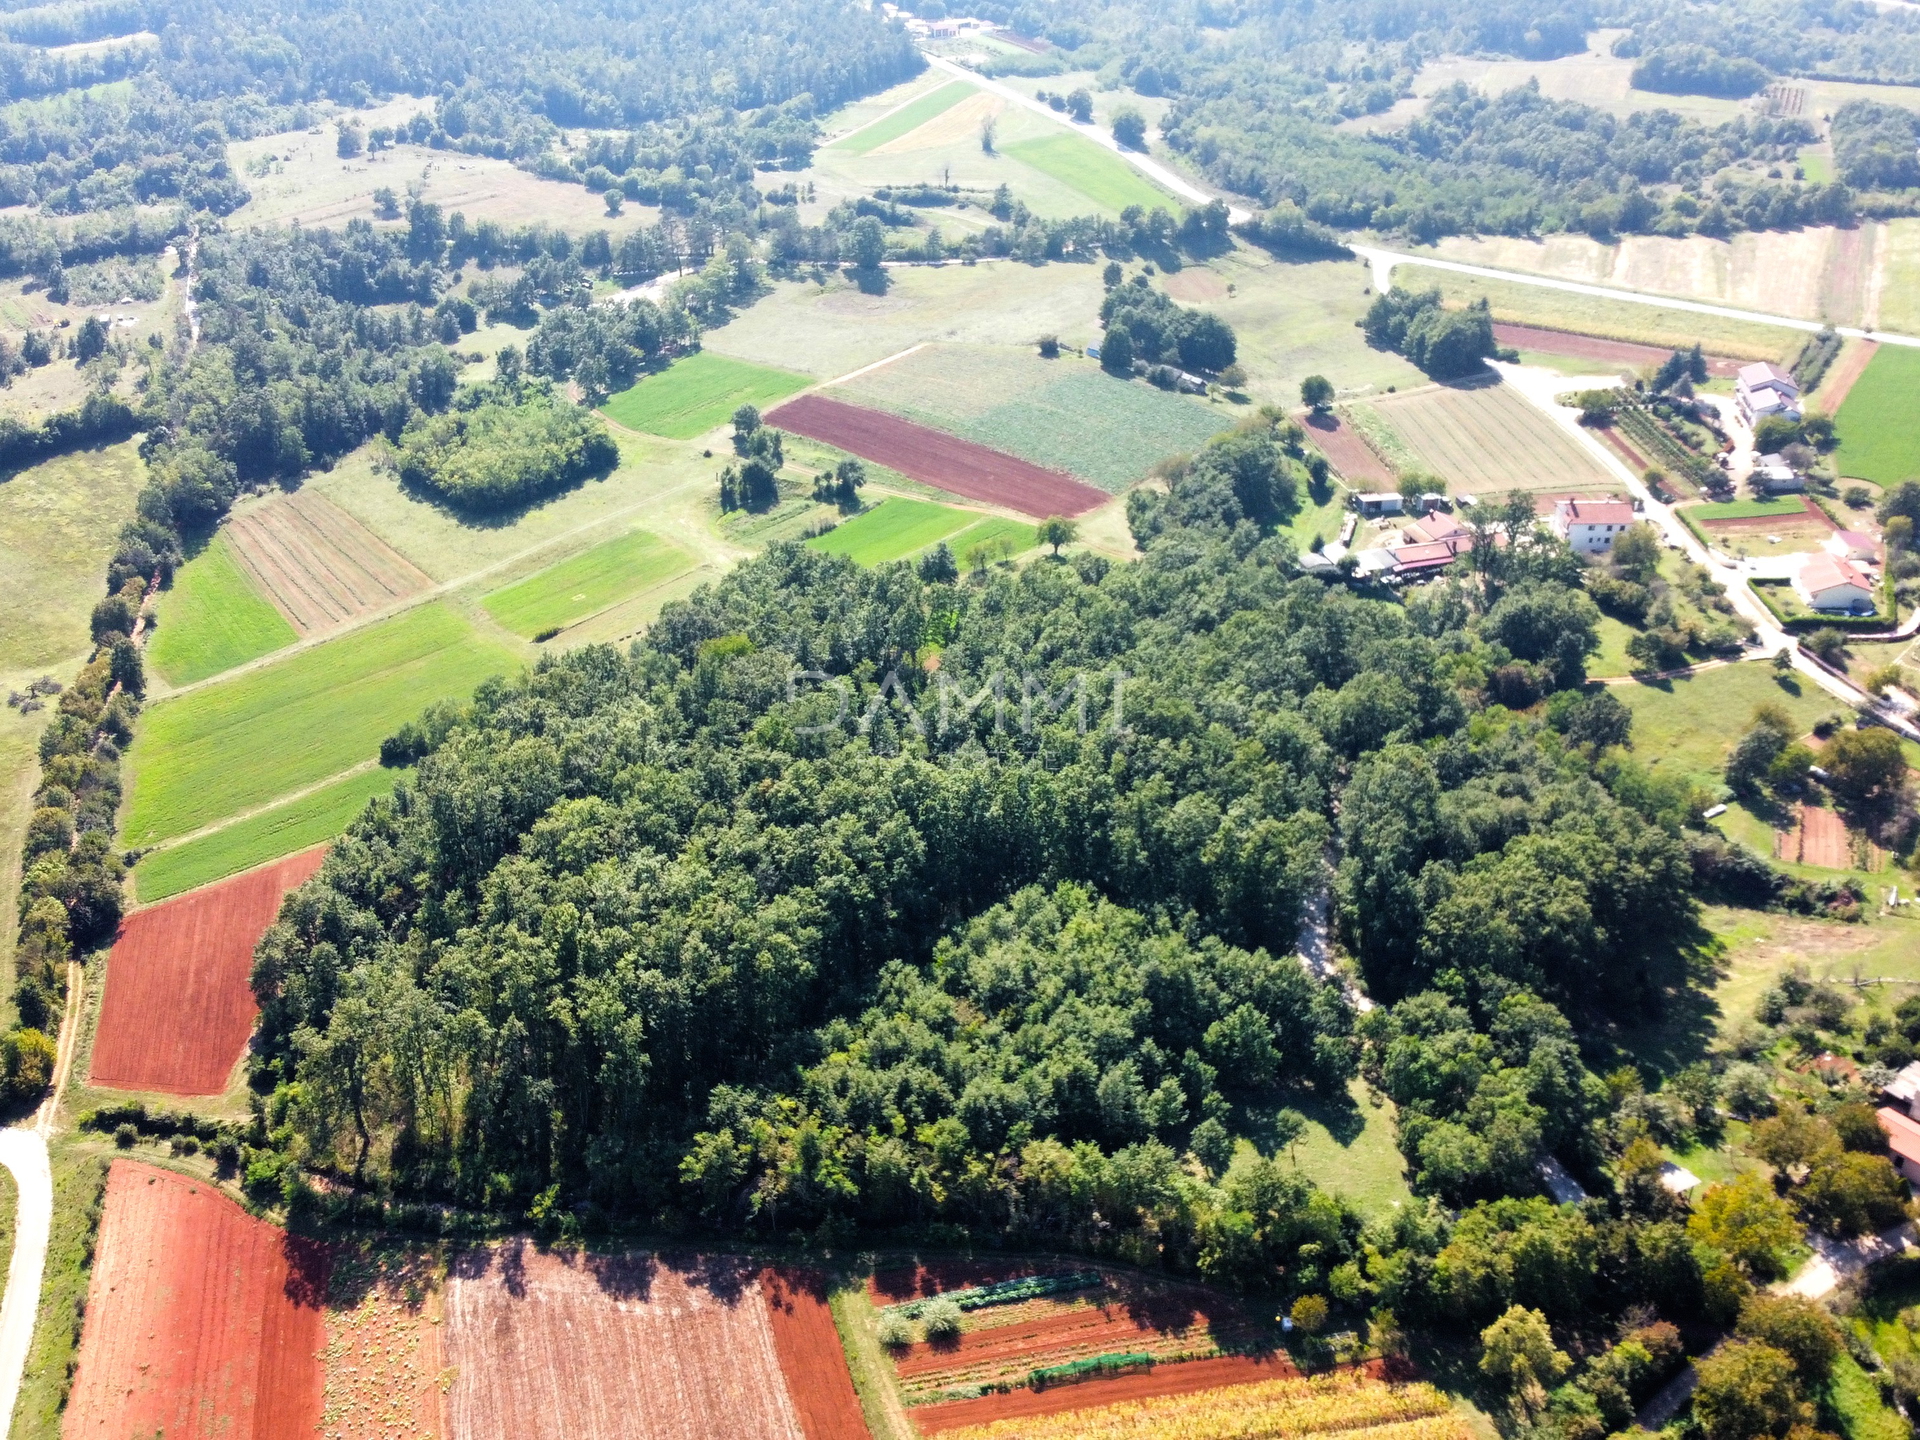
1903, 1139
1852, 545
1772, 475
1829, 584
1591, 526
1762, 389
1903, 1091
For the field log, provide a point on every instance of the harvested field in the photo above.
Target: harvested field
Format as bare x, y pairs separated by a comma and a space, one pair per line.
1591, 347
635, 1347
318, 564
906, 119
384, 1362
957, 466
959, 118
1487, 438
201, 1321
1349, 1403
178, 1008
1349, 454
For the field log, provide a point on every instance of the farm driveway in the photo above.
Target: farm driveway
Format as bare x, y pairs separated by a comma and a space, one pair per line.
24, 1152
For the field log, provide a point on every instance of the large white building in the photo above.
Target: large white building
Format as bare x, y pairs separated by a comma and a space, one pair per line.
1591, 526
1826, 582
1761, 390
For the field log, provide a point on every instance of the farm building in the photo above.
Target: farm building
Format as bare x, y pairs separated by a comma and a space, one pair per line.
1589, 526
1439, 527
1772, 475
1840, 585
1385, 502
1903, 1091
1903, 1139
1852, 545
1762, 389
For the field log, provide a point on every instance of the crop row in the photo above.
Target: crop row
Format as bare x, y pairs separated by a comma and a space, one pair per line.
1660, 445
1003, 1292
1263, 1410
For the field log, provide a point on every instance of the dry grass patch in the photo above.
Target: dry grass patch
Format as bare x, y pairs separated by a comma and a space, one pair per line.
319, 565
1488, 440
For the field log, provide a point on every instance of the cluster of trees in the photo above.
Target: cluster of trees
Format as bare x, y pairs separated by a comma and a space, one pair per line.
1145, 326
1447, 344
504, 446
1696, 70
1253, 476
1873, 146
754, 483
107, 151
1839, 41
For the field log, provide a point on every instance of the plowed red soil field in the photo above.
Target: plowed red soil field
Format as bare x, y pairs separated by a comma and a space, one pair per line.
810, 1355
201, 1321
178, 1008
593, 1347
1592, 347
932, 457
1184, 1379
1349, 454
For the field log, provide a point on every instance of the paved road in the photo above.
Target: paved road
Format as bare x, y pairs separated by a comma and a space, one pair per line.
1145, 164
1384, 261
24, 1152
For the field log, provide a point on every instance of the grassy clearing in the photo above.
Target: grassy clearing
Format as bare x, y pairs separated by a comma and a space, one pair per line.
58, 524
1351, 1151
213, 619
79, 1177
1095, 171
1853, 1397
892, 530
240, 743
998, 538
1066, 413
1489, 439
906, 119
693, 395
1611, 319
588, 583
259, 838
1879, 423
1688, 725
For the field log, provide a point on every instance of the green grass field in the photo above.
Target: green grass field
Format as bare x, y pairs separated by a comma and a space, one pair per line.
1095, 171
1745, 510
892, 530
586, 584
259, 838
1687, 726
213, 619
1350, 1150
1065, 413
693, 395
237, 744
1879, 422
906, 119
992, 539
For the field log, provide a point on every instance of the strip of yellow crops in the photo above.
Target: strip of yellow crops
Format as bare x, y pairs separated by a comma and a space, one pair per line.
1262, 1410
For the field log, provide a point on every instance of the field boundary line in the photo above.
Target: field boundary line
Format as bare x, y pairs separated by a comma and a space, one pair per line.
867, 125
175, 841
1384, 261
876, 365
1166, 179
623, 600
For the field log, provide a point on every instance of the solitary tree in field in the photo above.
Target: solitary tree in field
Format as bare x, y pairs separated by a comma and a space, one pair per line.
1058, 531
1110, 276
1316, 393
987, 127
615, 201
1130, 128
869, 243
351, 142
1080, 106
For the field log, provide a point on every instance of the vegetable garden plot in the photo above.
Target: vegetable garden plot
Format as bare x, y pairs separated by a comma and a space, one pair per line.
318, 564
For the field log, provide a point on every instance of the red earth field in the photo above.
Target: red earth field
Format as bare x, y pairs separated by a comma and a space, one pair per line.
1819, 838
201, 1321
640, 1347
957, 466
1591, 347
1344, 448
178, 1008
1184, 1379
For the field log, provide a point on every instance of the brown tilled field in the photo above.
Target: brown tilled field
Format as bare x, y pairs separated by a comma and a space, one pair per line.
1592, 347
1188, 1379
384, 1365
1852, 363
811, 1357
318, 564
201, 1322
594, 1347
1819, 837
1348, 452
957, 466
178, 1008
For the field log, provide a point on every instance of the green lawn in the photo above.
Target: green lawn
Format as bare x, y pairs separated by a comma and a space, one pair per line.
1351, 1151
213, 618
1095, 171
1688, 725
259, 838
693, 395
892, 530
1744, 510
906, 119
995, 538
1853, 1397
1879, 422
240, 743
586, 584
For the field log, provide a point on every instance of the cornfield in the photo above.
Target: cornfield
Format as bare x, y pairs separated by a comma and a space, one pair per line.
1263, 1410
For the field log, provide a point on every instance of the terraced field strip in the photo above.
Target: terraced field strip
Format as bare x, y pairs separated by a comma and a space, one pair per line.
178, 1008
201, 1321
946, 462
235, 744
1349, 1403
545, 1346
319, 565
1025, 1405
905, 120
1604, 353
1347, 450
1486, 439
